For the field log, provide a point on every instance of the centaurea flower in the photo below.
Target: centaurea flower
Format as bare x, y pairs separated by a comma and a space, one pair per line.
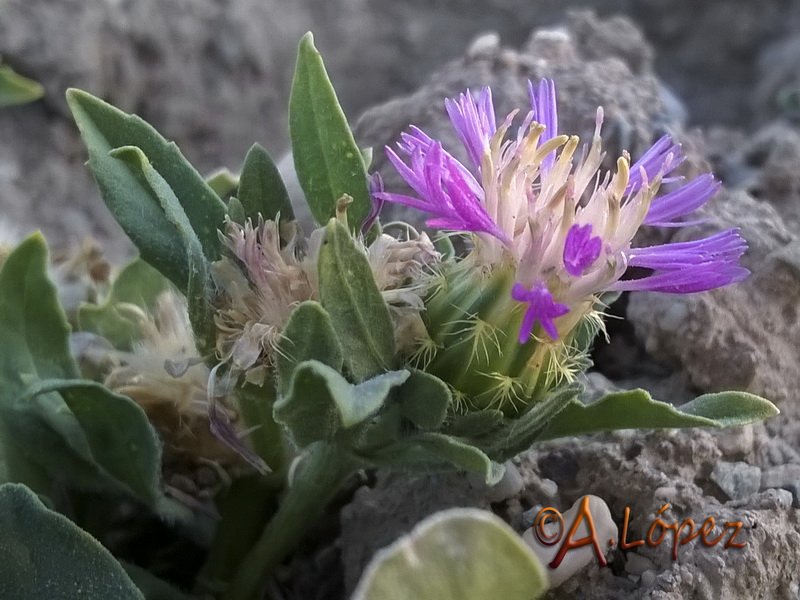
552, 233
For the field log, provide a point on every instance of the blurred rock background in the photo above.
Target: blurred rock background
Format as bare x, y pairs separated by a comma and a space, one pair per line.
214, 75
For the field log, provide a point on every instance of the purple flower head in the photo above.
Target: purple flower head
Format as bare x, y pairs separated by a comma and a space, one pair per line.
580, 249
541, 308
563, 222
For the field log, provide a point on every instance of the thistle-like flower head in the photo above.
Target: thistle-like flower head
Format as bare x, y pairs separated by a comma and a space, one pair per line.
552, 232
565, 225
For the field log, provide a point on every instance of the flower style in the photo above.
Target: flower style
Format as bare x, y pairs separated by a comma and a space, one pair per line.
565, 226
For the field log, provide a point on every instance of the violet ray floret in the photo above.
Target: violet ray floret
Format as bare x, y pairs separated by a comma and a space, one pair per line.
541, 308
695, 278
662, 158
545, 112
581, 249
682, 201
719, 249
474, 121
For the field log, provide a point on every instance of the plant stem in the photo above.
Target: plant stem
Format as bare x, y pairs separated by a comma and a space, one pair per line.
319, 476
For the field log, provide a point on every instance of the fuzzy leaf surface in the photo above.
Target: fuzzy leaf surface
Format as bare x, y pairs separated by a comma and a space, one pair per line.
328, 161
320, 402
424, 400
129, 197
43, 555
308, 335
201, 313
457, 554
636, 409
358, 311
261, 188
80, 428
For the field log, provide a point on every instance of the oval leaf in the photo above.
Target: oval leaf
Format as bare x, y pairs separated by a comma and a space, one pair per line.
16, 89
261, 188
308, 335
44, 555
328, 161
321, 402
424, 400
457, 554
91, 426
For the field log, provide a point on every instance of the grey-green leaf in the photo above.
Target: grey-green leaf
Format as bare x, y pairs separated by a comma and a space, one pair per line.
424, 400
44, 555
636, 409
518, 434
120, 438
308, 335
201, 313
16, 89
321, 402
328, 161
358, 311
261, 188
138, 285
457, 554
131, 200
85, 432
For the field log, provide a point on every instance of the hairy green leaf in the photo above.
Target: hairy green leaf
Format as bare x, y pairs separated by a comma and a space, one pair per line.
80, 429
131, 199
261, 188
359, 314
308, 335
16, 89
44, 555
328, 161
424, 400
457, 554
636, 409
321, 402
201, 312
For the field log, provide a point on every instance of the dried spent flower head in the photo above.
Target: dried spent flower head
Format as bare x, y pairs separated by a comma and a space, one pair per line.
265, 279
165, 376
554, 228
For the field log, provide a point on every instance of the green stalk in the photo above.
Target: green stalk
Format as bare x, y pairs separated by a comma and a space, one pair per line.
247, 505
319, 476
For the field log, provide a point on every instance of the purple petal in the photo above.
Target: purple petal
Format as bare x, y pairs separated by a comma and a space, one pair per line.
698, 278
375, 191
724, 247
682, 201
580, 249
474, 122
541, 308
663, 157
545, 112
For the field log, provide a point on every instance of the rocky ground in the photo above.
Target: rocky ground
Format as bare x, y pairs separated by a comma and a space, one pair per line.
722, 76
